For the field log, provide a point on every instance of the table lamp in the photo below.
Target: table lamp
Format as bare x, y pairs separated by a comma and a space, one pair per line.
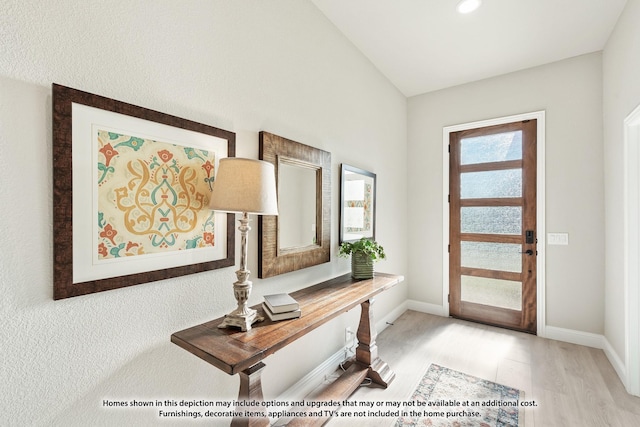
245, 186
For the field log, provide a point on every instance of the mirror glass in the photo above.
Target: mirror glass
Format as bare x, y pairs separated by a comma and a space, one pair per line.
300, 236
296, 205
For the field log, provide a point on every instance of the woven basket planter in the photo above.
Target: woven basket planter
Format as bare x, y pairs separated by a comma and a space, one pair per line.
361, 265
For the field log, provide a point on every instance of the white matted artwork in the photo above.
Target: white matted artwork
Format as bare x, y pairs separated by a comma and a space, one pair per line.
141, 182
357, 204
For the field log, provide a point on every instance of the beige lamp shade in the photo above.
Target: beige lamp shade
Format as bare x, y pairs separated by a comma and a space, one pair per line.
245, 185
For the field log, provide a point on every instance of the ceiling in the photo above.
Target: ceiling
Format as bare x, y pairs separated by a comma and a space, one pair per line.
425, 45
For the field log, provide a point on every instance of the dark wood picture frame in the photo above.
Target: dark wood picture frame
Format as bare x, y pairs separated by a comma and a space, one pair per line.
272, 259
345, 235
63, 197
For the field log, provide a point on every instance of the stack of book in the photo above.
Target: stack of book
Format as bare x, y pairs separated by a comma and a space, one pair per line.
281, 307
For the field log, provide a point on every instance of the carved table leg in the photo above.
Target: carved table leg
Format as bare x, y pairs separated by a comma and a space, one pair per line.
251, 391
367, 350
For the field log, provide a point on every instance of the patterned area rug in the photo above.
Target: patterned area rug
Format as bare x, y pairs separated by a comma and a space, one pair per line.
446, 397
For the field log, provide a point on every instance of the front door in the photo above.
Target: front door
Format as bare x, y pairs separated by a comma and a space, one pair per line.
492, 246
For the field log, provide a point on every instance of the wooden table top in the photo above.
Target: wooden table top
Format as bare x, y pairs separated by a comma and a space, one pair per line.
233, 351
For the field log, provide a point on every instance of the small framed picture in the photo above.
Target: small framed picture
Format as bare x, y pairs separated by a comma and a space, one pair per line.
357, 204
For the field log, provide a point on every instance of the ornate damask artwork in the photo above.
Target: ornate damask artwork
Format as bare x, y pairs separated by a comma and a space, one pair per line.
152, 196
131, 189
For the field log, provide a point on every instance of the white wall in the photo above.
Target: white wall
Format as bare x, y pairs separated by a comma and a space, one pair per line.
570, 92
243, 66
621, 68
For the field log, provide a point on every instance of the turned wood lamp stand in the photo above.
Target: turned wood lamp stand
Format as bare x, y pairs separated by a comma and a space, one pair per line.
243, 316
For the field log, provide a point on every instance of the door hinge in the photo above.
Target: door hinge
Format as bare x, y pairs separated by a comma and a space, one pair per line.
449, 248
449, 148
448, 298
449, 198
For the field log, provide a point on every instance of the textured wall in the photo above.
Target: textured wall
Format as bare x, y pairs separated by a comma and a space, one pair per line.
243, 66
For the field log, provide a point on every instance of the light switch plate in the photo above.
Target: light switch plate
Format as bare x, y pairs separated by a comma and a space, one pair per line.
557, 238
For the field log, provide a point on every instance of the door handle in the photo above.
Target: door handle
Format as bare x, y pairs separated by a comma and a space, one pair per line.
528, 252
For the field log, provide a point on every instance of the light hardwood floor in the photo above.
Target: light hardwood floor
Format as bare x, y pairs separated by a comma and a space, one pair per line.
573, 385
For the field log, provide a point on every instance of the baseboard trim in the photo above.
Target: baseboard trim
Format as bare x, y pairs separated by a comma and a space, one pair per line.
388, 320
574, 337
616, 362
425, 307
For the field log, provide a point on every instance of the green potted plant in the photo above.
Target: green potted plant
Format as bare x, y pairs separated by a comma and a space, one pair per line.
364, 253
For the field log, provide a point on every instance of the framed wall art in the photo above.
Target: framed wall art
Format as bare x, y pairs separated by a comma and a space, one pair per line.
357, 204
130, 196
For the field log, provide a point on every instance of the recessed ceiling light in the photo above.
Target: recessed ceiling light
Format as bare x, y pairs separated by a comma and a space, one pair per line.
467, 6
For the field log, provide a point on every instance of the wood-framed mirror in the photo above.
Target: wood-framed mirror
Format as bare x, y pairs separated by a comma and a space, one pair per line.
300, 236
357, 204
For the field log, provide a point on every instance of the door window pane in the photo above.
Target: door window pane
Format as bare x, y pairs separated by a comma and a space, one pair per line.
491, 148
491, 220
491, 184
492, 256
493, 292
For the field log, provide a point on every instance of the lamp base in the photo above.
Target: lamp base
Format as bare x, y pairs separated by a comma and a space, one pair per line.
242, 321
242, 317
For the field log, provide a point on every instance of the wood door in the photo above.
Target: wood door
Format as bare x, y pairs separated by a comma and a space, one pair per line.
492, 236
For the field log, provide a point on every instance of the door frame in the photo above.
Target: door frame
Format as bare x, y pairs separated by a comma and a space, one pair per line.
632, 251
540, 206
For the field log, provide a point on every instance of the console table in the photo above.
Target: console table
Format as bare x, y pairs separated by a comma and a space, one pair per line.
236, 352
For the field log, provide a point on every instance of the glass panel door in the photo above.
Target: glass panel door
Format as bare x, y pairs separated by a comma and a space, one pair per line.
492, 219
